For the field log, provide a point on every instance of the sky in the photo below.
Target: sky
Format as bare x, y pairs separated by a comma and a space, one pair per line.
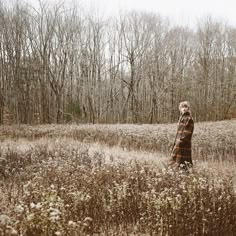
183, 12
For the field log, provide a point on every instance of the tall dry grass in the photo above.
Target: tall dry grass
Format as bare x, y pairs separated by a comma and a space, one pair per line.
61, 187
211, 140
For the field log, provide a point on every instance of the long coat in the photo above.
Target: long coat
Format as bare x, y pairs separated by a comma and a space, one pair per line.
182, 151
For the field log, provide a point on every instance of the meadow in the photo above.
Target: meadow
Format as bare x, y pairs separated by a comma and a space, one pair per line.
114, 180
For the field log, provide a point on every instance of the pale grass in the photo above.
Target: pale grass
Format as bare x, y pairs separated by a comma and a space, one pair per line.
132, 151
59, 164
211, 140
117, 154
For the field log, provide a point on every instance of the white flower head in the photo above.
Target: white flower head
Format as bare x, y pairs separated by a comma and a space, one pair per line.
71, 223
4, 219
19, 209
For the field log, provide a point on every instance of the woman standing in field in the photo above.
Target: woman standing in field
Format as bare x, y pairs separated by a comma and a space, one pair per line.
181, 154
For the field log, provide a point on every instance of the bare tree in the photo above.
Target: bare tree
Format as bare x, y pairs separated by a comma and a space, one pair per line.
59, 64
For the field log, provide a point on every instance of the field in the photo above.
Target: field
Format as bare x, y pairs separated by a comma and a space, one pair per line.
113, 180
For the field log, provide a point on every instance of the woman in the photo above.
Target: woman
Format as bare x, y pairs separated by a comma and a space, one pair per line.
181, 154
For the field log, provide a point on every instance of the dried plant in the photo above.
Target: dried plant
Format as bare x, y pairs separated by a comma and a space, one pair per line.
63, 187
211, 140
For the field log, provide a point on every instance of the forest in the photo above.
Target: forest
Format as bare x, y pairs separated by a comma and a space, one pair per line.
61, 64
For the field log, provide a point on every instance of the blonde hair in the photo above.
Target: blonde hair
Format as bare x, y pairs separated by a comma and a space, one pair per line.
184, 104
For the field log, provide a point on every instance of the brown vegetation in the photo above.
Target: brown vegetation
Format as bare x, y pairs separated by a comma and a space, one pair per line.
211, 140
53, 181
62, 65
58, 188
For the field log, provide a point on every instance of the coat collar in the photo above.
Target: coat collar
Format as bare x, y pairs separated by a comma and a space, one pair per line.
187, 113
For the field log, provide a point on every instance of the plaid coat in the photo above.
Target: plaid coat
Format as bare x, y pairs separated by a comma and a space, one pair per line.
182, 153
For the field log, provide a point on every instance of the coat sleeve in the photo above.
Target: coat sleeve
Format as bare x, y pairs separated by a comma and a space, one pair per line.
188, 130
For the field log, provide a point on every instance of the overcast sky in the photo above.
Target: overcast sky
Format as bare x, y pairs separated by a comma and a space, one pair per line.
184, 12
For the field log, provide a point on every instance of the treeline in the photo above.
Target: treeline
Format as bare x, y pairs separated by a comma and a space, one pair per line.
60, 64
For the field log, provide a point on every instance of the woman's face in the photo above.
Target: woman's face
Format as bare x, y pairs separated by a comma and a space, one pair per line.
183, 109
